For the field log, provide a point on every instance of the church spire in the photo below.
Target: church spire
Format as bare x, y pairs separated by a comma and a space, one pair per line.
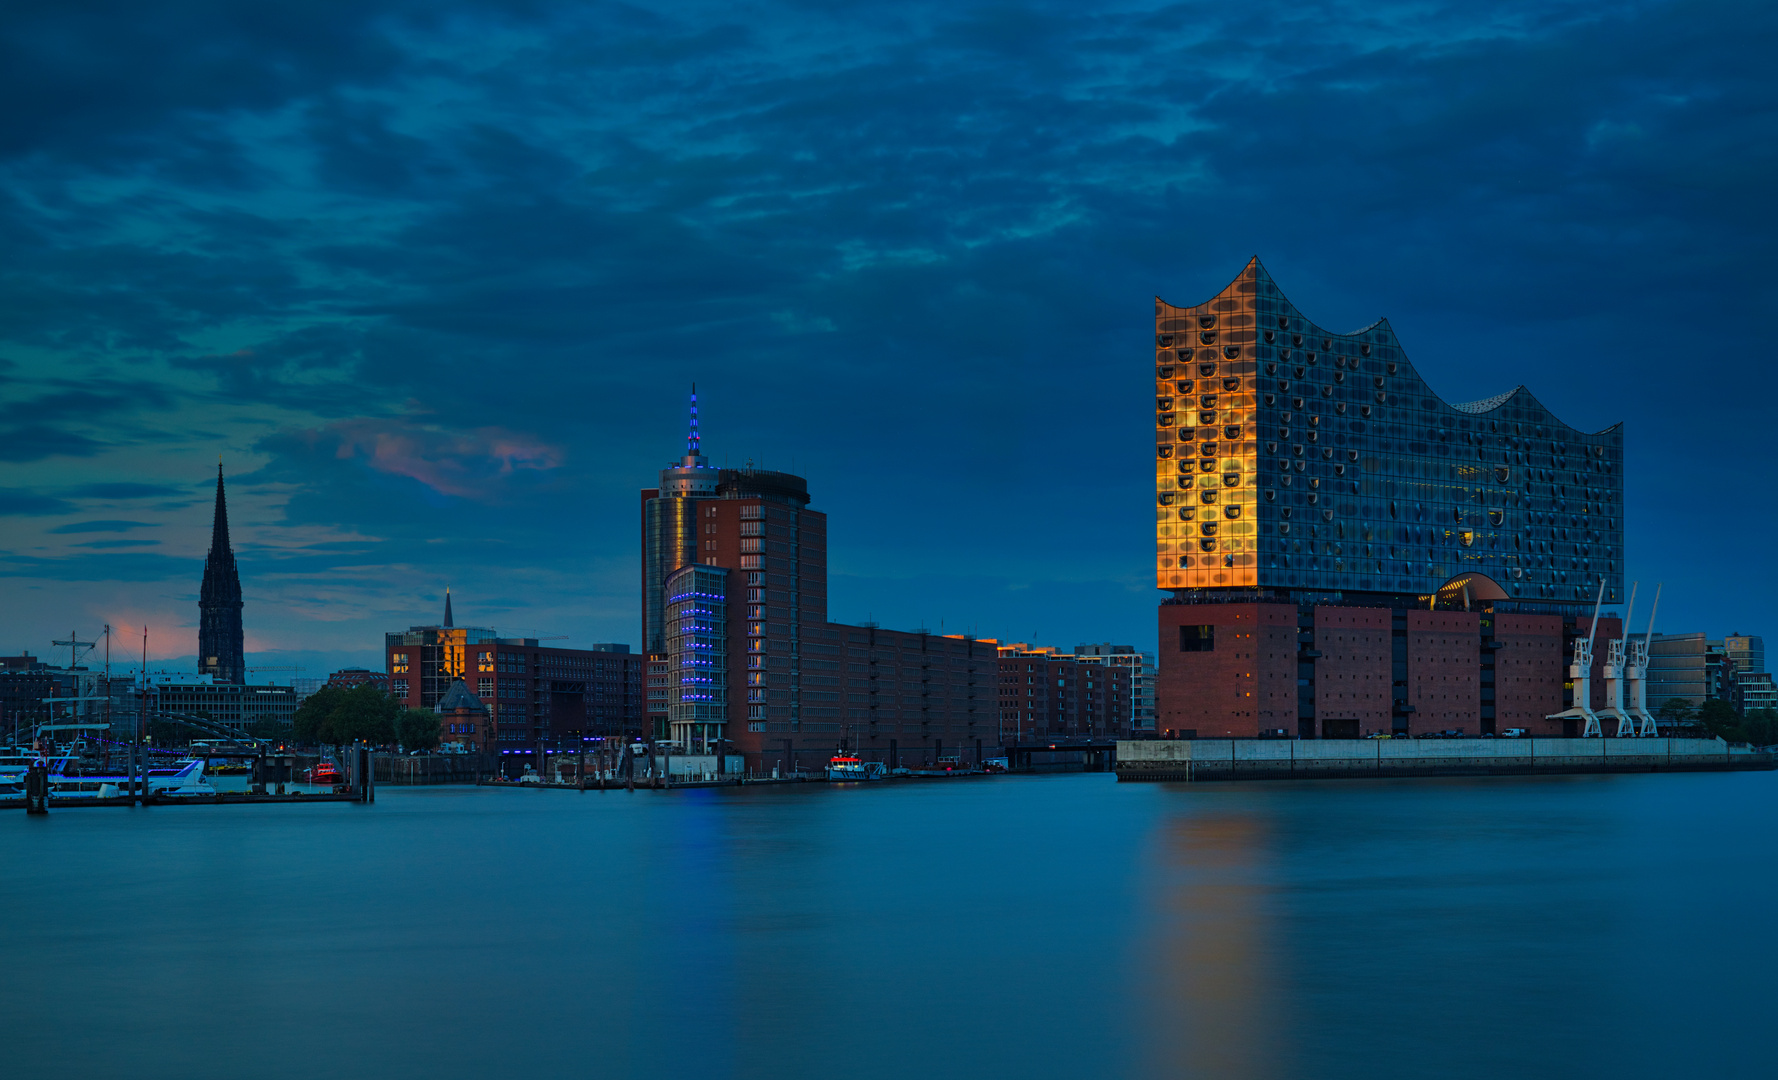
221, 649
219, 524
447, 621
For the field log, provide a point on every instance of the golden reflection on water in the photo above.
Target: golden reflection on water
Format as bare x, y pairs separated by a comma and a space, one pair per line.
1215, 1008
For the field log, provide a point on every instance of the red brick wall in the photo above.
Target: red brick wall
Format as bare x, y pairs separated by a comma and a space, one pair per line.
1245, 685
1444, 671
1529, 669
1352, 677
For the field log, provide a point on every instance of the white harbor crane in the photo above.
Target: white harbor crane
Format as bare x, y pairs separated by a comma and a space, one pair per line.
1580, 672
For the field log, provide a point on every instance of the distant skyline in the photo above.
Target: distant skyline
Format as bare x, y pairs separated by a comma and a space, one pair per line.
434, 281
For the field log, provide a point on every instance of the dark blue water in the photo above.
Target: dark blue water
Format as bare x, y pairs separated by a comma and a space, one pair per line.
1031, 927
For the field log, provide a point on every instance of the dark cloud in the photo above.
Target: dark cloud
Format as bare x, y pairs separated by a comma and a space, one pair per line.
34, 442
126, 567
14, 501
104, 526
117, 491
445, 271
116, 544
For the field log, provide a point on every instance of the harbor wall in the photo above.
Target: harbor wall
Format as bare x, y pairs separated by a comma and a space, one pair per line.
1293, 759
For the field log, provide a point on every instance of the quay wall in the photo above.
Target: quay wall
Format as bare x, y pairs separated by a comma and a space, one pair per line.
1292, 759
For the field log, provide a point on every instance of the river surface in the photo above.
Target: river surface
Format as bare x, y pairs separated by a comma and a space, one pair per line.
1063, 926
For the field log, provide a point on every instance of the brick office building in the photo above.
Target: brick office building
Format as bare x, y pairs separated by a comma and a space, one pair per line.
348, 678
534, 693
1044, 693
1347, 553
734, 621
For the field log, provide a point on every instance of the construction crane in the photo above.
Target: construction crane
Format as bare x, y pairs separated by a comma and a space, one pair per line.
73, 644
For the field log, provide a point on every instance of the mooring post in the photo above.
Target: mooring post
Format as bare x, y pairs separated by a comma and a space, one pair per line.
37, 788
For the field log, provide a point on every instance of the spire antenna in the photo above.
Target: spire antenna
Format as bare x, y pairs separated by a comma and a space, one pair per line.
447, 618
691, 439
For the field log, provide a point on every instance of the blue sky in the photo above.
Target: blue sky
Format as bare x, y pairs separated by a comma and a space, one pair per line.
433, 278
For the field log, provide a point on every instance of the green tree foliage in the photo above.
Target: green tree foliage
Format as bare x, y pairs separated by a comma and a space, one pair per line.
310, 722
1760, 727
336, 716
1676, 710
417, 729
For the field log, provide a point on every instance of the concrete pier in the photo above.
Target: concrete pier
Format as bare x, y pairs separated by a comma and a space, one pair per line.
1291, 759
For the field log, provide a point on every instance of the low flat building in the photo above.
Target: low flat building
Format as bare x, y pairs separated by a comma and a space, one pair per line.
228, 703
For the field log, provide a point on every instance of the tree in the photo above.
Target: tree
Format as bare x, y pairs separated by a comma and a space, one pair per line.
1676, 710
417, 729
365, 714
1720, 719
1760, 727
335, 716
310, 724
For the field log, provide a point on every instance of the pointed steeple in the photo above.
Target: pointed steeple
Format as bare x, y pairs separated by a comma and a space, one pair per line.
447, 620
219, 525
221, 646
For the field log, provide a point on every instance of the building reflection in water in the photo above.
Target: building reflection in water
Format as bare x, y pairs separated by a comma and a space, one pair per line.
1216, 1008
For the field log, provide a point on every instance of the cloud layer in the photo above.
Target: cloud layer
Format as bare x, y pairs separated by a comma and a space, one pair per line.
434, 280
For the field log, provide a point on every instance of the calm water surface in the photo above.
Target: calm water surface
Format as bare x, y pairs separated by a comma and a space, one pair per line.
1019, 926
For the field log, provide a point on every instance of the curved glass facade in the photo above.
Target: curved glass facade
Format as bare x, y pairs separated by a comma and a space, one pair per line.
1291, 459
697, 654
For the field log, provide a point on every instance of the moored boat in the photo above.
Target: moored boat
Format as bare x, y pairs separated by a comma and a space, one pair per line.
844, 767
67, 780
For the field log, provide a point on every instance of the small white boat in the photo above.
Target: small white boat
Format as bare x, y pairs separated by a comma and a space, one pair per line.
183, 777
842, 767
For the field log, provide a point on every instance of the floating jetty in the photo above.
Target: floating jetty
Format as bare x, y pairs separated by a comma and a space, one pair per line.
1310, 759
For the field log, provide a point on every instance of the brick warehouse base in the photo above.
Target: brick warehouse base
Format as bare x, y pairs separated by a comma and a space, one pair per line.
1270, 669
1290, 759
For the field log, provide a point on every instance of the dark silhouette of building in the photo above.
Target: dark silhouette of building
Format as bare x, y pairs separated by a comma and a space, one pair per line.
221, 652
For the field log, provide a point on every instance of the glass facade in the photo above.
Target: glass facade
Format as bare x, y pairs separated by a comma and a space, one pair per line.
669, 541
1290, 459
697, 655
